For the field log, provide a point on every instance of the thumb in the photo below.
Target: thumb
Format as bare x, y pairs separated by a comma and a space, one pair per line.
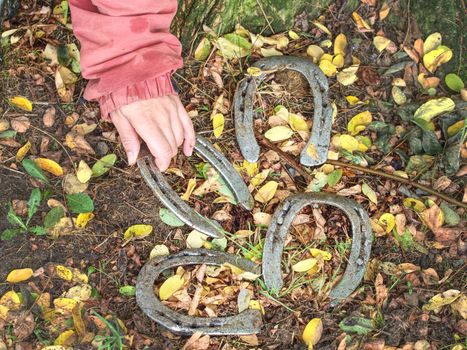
128, 136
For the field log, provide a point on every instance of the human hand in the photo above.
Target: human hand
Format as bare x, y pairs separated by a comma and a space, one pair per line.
161, 122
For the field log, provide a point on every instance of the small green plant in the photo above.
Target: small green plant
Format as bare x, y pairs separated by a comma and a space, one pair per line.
114, 339
21, 226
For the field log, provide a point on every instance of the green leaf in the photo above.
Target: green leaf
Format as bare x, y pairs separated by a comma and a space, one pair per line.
451, 217
405, 240
79, 203
53, 217
358, 325
169, 218
395, 68
219, 244
203, 50
9, 234
63, 56
233, 46
335, 177
32, 169
319, 181
14, 219
454, 82
430, 143
370, 193
38, 230
128, 291
33, 202
418, 164
9, 134
226, 190
103, 165
451, 159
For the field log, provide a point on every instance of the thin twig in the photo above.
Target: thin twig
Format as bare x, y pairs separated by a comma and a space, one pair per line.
399, 179
265, 17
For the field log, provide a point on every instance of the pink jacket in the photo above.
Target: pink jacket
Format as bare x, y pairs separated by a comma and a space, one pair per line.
127, 51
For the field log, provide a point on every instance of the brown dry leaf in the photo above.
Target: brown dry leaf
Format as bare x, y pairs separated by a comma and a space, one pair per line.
430, 277
24, 325
443, 235
20, 124
382, 291
71, 184
362, 25
384, 11
197, 342
78, 143
251, 340
49, 117
84, 128
4, 125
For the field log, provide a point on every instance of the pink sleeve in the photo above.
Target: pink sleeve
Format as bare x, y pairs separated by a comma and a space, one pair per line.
127, 51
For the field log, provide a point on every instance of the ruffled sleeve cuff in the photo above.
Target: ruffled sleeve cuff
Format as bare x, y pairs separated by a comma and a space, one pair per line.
145, 90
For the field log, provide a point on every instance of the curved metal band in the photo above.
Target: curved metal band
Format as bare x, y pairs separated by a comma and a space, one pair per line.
247, 322
322, 119
279, 227
171, 200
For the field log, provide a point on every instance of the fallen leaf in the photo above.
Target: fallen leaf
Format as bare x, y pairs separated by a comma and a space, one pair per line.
381, 42
218, 121
328, 68
312, 332
49, 166
64, 273
304, 265
279, 133
362, 25
293, 35
196, 239
439, 300
359, 122
23, 151
340, 44
77, 142
414, 204
22, 103
398, 95
49, 117
103, 165
189, 190
66, 338
20, 124
203, 50
270, 52
19, 275
137, 232
384, 11
266, 192
437, 57
170, 286
433, 108
388, 220
454, 82
170, 218
84, 172
322, 28
318, 252
348, 76
432, 42
83, 219
315, 52
71, 184
159, 250
370, 193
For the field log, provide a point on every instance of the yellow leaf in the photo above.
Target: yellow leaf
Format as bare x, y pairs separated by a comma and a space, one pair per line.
460, 305
414, 204
11, 300
218, 121
362, 25
384, 12
433, 108
84, 172
322, 28
19, 275
4, 312
326, 43
66, 338
137, 231
81, 292
348, 76
398, 95
293, 35
258, 179
189, 189
437, 57
22, 103
352, 100
432, 42
340, 44
312, 332
159, 250
359, 122
370, 193
254, 71
64, 273
250, 168
381, 42
315, 52
304, 265
196, 239
318, 252
439, 300
347, 142
455, 128
326, 57
401, 173
278, 133
65, 305
170, 286
49, 165
256, 305
338, 61
328, 68
83, 219
388, 220
23, 151
297, 123
266, 192
270, 52
203, 50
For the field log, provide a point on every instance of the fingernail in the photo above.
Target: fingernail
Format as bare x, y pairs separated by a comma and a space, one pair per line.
131, 158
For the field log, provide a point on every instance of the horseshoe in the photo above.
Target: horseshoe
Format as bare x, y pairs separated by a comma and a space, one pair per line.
171, 200
246, 322
279, 227
316, 150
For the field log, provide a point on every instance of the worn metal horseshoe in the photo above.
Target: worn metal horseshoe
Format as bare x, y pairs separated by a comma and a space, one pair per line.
279, 227
247, 322
170, 199
316, 150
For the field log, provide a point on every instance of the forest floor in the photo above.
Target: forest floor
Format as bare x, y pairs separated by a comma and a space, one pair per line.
69, 265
